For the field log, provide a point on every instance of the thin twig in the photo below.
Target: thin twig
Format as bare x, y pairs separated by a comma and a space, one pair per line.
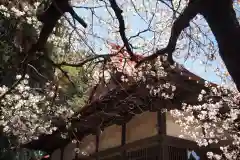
37, 72
89, 59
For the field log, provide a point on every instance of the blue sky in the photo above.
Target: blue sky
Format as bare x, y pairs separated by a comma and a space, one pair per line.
137, 24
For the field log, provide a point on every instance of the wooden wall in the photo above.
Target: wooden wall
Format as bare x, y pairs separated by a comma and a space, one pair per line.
141, 126
174, 129
110, 137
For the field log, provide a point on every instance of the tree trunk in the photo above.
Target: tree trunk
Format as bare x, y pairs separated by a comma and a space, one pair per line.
222, 20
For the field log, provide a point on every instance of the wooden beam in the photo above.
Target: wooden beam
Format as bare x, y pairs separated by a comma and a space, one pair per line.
179, 142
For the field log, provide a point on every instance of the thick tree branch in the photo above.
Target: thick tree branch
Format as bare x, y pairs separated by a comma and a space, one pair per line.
223, 22
80, 64
118, 13
178, 26
155, 55
76, 17
50, 18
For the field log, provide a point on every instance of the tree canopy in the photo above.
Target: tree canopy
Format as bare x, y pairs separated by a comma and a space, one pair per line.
52, 53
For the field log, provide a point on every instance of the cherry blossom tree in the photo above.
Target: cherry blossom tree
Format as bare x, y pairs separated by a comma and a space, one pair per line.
186, 30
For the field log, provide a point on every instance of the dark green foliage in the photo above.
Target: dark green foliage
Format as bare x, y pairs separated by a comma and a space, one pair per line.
7, 153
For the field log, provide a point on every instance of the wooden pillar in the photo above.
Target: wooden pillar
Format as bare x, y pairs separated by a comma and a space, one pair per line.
162, 131
97, 144
162, 128
123, 141
62, 153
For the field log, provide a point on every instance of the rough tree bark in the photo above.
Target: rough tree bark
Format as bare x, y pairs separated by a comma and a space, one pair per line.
50, 18
223, 22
